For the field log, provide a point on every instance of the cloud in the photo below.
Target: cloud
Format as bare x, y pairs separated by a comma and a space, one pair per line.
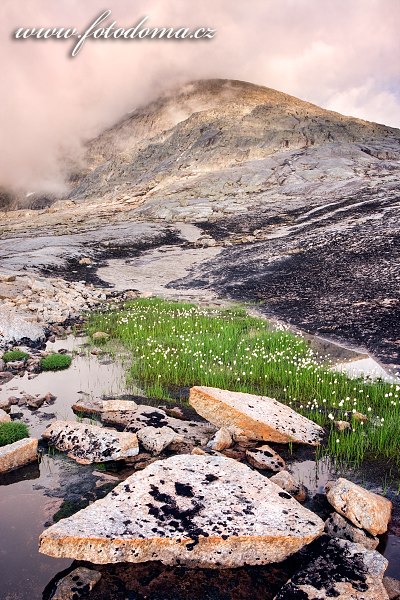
337, 54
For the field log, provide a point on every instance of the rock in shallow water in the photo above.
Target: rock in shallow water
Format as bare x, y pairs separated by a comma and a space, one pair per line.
18, 454
257, 417
339, 527
199, 511
363, 508
76, 584
288, 483
344, 570
90, 443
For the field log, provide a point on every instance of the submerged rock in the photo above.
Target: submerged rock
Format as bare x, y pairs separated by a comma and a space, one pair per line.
199, 511
364, 509
264, 457
90, 443
288, 483
344, 570
339, 527
257, 417
76, 584
18, 454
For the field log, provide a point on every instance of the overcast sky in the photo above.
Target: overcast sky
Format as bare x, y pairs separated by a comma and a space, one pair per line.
340, 54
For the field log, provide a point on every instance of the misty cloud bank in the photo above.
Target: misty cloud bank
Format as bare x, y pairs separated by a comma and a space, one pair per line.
338, 54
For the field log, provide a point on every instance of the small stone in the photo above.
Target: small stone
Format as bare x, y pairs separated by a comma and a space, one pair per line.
7, 278
287, 482
155, 440
364, 509
342, 425
85, 261
100, 336
4, 417
18, 454
76, 584
359, 417
338, 527
221, 440
198, 451
264, 457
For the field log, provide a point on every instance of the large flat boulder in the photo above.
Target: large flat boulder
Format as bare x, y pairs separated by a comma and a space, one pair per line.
89, 443
18, 454
199, 511
343, 570
363, 508
257, 417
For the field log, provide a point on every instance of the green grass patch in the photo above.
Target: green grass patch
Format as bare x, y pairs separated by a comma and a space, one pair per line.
176, 344
55, 362
12, 432
12, 355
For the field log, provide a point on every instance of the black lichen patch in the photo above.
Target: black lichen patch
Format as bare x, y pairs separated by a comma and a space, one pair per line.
333, 564
183, 489
176, 518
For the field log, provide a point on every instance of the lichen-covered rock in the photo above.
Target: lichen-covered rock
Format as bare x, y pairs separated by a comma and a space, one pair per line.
90, 443
200, 511
343, 570
265, 458
144, 416
155, 440
76, 584
221, 440
287, 482
257, 417
364, 509
4, 417
338, 527
18, 454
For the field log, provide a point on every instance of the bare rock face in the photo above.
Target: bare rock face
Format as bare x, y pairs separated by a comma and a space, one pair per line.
76, 584
287, 482
18, 454
339, 527
264, 457
156, 440
364, 509
199, 511
257, 417
89, 443
343, 570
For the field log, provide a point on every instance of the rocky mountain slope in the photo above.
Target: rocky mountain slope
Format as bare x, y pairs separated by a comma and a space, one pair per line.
304, 203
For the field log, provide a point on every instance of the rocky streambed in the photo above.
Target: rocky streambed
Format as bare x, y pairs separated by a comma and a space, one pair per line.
93, 395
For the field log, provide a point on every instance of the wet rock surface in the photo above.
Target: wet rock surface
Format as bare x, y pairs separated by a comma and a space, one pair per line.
343, 570
256, 417
90, 443
193, 510
77, 584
